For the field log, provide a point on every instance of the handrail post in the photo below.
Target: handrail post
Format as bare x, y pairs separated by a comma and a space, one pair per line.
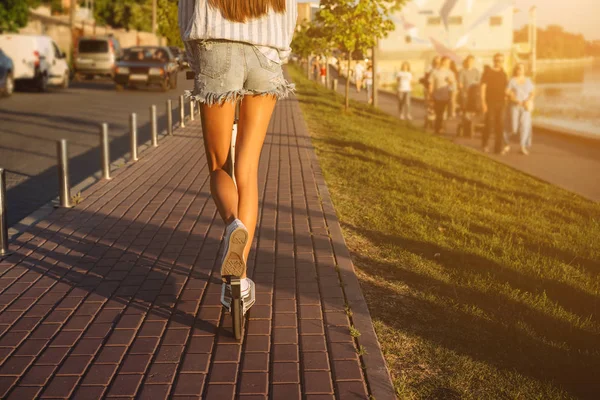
192, 111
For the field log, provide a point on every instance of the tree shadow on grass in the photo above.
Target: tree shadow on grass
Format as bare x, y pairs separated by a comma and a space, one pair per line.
495, 339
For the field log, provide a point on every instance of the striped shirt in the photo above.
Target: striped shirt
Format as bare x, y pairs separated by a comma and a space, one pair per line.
271, 34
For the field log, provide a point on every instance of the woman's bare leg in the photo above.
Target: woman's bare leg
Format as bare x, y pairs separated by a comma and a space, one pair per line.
255, 114
217, 125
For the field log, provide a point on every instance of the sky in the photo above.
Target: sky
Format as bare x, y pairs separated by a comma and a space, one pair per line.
577, 16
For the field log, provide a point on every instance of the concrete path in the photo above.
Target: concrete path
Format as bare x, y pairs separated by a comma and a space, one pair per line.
119, 296
572, 163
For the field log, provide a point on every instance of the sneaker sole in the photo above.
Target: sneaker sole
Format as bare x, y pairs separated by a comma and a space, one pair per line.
233, 262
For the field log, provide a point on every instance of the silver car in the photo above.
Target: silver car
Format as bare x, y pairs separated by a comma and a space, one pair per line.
96, 56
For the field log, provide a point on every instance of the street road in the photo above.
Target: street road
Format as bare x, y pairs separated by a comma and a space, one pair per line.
31, 123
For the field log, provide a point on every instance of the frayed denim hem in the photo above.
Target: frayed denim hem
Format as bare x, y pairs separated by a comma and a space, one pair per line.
282, 91
217, 98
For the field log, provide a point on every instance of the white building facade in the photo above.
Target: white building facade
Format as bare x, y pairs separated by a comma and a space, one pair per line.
425, 28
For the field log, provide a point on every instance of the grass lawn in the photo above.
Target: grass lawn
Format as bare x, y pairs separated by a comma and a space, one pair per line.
482, 281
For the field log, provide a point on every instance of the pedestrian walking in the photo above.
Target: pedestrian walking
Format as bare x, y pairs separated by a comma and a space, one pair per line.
521, 92
469, 98
442, 84
369, 83
359, 70
236, 51
454, 95
404, 79
323, 74
425, 81
493, 97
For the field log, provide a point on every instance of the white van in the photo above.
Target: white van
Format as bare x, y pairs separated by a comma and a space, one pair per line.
37, 60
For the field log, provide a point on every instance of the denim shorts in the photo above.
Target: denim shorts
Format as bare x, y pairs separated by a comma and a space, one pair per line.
226, 71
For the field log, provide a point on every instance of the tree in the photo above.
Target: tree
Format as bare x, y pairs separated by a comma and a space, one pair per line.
354, 25
302, 44
136, 14
14, 14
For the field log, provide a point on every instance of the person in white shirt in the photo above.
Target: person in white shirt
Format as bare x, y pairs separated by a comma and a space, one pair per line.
359, 70
405, 80
369, 84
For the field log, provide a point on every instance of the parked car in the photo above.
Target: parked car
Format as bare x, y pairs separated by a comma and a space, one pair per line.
179, 55
147, 66
7, 83
37, 60
96, 56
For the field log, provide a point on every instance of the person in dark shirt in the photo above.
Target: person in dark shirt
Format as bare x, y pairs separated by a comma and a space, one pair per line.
494, 84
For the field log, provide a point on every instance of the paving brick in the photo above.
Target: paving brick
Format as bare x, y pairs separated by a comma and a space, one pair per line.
169, 354
74, 365
285, 373
124, 385
220, 392
317, 382
111, 355
38, 375
195, 363
354, 390
60, 386
286, 391
100, 374
285, 353
154, 392
16, 365
189, 384
89, 393
223, 373
253, 383
161, 374
53, 355
255, 362
315, 361
135, 364
24, 393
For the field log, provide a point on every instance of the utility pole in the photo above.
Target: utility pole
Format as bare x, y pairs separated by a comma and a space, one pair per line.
154, 24
72, 28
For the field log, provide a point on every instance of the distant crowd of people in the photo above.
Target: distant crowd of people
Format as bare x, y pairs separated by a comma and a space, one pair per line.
506, 103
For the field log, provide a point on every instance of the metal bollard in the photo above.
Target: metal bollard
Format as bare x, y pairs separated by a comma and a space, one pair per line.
335, 85
3, 218
181, 112
192, 111
133, 132
63, 174
105, 151
153, 126
169, 117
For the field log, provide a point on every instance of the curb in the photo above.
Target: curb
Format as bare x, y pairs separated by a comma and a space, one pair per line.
377, 375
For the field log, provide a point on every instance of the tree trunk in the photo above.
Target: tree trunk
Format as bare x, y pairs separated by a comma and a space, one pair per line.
348, 83
375, 77
308, 67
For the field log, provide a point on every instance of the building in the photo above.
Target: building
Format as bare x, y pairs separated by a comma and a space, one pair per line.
307, 12
424, 29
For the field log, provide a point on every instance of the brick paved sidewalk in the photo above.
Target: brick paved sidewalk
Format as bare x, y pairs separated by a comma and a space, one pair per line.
119, 297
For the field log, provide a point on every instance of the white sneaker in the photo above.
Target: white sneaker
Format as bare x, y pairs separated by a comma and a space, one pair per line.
408, 117
524, 151
402, 118
505, 150
236, 237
